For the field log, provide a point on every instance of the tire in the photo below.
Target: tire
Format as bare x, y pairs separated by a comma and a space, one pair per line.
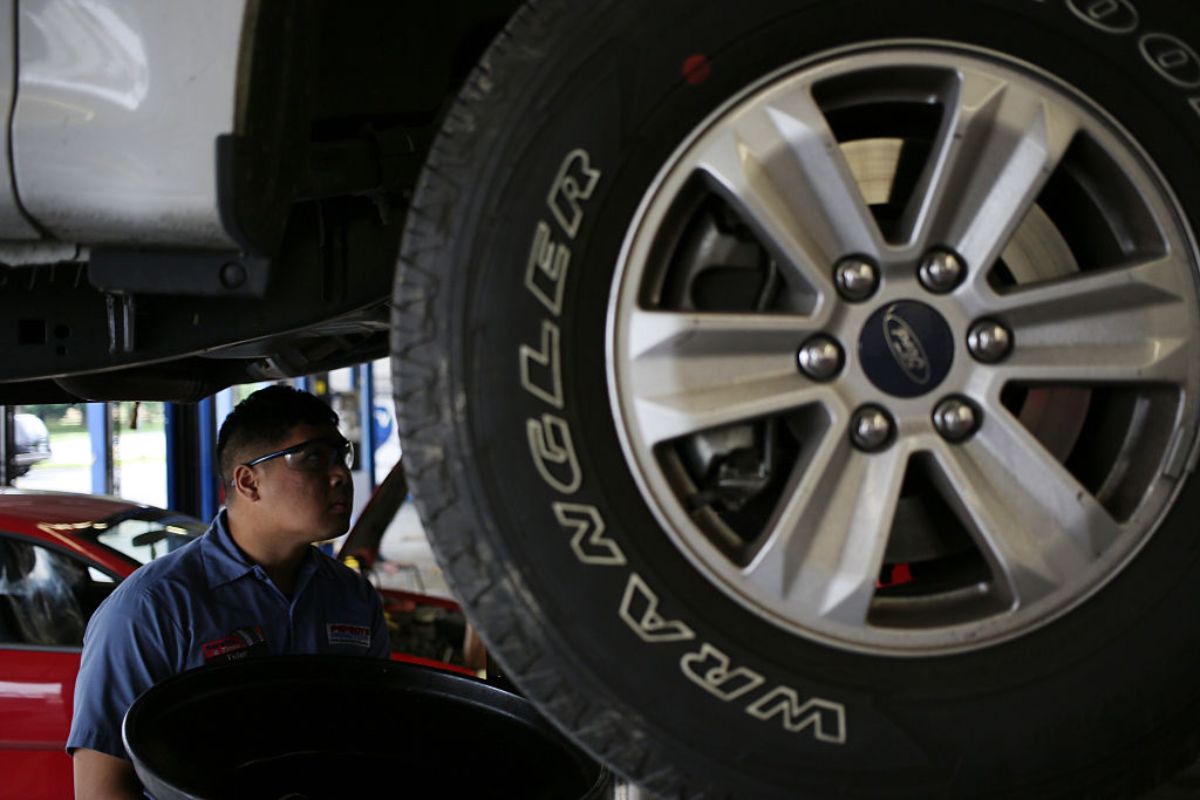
1007, 612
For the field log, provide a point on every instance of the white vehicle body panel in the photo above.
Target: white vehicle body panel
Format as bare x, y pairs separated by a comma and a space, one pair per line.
13, 224
119, 104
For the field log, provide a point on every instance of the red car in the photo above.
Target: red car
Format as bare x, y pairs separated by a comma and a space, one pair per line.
60, 556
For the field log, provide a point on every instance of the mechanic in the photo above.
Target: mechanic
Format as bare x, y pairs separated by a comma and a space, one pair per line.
252, 585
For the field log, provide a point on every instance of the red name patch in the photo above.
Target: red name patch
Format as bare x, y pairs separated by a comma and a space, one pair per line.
241, 639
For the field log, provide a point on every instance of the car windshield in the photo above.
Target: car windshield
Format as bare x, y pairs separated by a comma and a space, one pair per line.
144, 534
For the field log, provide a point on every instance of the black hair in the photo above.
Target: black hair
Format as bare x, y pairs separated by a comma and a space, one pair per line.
262, 420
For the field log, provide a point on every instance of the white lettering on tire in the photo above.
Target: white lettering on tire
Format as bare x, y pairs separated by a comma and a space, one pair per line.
639, 609
552, 449
546, 270
575, 183
709, 669
589, 543
828, 720
544, 360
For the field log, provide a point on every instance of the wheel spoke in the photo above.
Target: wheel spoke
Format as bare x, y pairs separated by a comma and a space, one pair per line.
692, 371
1098, 362
780, 166
1126, 325
824, 551
998, 146
1035, 524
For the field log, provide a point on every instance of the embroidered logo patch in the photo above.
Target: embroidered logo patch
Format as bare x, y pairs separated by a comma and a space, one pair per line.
340, 633
237, 645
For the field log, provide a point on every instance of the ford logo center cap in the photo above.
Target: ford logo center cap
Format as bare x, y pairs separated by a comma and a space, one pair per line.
906, 348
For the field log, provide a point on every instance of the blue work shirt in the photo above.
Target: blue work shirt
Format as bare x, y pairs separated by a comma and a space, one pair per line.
208, 603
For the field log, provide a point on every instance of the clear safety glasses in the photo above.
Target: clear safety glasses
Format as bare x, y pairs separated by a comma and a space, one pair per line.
314, 455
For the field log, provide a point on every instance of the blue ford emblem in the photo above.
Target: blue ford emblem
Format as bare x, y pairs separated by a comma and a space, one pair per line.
905, 346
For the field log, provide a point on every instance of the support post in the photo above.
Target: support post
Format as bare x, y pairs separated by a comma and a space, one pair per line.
366, 396
192, 482
207, 472
99, 425
182, 457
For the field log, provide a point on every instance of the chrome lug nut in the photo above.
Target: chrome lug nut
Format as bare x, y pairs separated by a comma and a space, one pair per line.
989, 341
941, 271
820, 358
871, 428
856, 278
956, 418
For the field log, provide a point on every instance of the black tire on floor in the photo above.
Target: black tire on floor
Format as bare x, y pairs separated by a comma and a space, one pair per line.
534, 513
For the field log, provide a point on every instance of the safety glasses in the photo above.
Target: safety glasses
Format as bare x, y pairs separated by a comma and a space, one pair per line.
314, 455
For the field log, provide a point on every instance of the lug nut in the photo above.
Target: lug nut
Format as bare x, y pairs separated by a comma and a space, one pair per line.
820, 358
870, 428
941, 271
989, 341
955, 419
856, 278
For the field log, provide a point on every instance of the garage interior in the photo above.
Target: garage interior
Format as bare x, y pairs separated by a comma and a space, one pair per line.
788, 399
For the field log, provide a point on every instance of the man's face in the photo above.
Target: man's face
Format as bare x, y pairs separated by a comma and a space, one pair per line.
306, 496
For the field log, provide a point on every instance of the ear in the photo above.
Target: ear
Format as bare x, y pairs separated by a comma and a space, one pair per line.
245, 483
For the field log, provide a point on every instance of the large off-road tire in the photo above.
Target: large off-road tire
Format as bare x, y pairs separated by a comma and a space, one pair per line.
802, 395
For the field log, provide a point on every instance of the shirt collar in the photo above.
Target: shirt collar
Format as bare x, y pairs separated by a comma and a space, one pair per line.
224, 562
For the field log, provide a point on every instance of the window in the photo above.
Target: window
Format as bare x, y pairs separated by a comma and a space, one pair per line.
148, 535
45, 596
